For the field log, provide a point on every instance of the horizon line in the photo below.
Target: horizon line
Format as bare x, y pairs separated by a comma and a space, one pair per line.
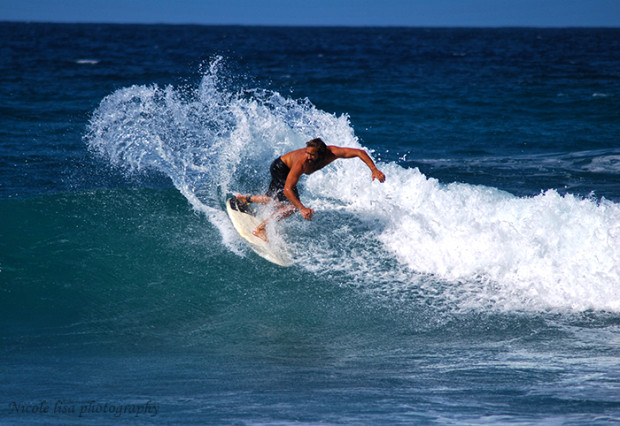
429, 26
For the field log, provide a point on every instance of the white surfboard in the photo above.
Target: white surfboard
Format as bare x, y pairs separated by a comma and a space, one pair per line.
245, 222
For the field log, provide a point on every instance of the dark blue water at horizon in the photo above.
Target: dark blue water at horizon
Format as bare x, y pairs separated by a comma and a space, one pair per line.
479, 284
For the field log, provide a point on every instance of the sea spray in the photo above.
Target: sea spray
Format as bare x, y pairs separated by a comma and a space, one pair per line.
209, 141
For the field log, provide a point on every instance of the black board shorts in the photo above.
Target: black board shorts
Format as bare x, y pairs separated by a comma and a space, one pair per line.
279, 172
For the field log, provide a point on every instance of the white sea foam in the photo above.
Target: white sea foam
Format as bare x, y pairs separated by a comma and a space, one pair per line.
87, 61
547, 251
480, 246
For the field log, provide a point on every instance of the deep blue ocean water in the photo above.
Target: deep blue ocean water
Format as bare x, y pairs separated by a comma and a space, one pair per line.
479, 284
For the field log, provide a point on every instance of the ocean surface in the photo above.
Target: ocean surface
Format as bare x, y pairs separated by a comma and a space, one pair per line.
480, 284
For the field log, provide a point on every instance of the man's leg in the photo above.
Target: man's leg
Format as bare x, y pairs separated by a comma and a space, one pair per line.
284, 211
279, 214
260, 199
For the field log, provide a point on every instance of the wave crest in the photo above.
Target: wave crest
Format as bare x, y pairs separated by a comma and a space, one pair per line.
483, 246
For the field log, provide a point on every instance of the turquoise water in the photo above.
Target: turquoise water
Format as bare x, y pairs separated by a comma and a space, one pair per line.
479, 284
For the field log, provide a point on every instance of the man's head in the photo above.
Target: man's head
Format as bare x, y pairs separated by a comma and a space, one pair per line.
317, 145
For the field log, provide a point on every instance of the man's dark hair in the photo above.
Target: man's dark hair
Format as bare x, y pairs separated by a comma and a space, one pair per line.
318, 143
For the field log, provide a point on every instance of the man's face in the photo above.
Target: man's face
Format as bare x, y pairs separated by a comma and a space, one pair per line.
312, 154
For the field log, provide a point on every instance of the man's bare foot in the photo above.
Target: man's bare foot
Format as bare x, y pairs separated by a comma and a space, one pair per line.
246, 199
260, 233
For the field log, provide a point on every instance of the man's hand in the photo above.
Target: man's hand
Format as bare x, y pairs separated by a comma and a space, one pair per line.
377, 174
306, 213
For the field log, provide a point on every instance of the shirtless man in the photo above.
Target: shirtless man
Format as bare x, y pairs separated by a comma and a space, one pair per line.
286, 171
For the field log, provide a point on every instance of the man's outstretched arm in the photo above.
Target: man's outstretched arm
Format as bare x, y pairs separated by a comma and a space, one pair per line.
340, 152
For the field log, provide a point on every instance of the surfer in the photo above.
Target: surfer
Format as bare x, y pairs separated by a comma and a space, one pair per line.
286, 171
